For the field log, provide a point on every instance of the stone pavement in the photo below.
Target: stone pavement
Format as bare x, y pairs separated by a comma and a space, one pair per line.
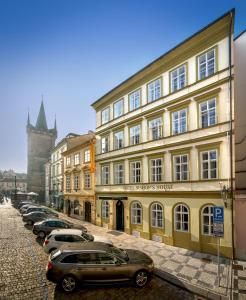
22, 271
192, 270
239, 280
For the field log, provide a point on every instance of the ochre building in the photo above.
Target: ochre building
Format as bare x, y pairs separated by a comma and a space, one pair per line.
79, 177
164, 145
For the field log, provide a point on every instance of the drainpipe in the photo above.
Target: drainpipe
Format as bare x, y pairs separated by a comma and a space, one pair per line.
231, 137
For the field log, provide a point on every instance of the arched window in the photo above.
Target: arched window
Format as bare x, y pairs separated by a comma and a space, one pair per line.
105, 209
181, 217
207, 220
136, 213
156, 215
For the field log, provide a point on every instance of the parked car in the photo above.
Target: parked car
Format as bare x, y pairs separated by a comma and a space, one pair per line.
35, 216
96, 262
24, 208
43, 228
43, 209
59, 237
24, 203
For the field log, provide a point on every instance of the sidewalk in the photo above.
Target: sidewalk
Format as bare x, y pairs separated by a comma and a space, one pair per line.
194, 271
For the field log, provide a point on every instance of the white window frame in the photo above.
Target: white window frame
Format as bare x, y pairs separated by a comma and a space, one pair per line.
118, 105
76, 179
209, 161
68, 182
105, 209
210, 216
135, 135
181, 164
119, 173
156, 170
155, 129
105, 115
206, 63
87, 155
136, 213
179, 120
105, 174
68, 161
208, 112
105, 144
177, 75
118, 143
87, 180
157, 215
181, 219
76, 159
134, 100
154, 90
135, 171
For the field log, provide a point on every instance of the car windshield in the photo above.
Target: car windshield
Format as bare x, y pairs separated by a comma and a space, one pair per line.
119, 252
87, 236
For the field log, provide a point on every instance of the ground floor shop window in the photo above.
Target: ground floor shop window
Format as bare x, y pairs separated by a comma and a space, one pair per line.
105, 209
156, 215
207, 220
181, 217
136, 213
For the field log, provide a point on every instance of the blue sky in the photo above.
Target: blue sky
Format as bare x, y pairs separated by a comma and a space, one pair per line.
73, 52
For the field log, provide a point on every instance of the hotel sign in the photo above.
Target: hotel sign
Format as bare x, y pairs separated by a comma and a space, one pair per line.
149, 187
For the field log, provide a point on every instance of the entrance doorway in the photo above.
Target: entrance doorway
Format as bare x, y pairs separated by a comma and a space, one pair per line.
87, 211
120, 215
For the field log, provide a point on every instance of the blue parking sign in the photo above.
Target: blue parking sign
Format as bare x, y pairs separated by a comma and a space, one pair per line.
218, 214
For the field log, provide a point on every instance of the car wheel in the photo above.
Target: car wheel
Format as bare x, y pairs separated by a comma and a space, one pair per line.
52, 249
68, 283
41, 234
29, 222
141, 278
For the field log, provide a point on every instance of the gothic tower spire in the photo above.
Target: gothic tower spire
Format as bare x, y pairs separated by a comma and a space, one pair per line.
41, 121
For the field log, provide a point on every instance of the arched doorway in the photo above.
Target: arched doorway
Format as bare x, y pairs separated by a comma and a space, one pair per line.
120, 215
87, 211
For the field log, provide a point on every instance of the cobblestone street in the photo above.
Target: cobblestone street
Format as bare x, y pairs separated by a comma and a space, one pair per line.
23, 263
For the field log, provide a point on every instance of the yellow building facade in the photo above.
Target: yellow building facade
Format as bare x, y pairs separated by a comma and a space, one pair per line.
79, 177
164, 145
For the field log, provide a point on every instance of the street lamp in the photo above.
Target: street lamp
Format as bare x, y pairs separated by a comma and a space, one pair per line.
225, 193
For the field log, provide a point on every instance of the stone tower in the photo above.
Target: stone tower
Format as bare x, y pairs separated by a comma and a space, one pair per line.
40, 141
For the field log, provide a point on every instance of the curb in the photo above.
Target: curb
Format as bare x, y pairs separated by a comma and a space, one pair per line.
190, 287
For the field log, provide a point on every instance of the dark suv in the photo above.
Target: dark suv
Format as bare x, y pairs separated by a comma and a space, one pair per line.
43, 228
96, 262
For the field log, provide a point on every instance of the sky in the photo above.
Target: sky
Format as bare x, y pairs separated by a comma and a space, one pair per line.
74, 51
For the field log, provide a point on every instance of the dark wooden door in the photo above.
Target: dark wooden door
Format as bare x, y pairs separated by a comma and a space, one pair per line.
87, 211
120, 215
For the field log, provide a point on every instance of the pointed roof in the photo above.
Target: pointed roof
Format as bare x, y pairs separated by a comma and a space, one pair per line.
41, 121
28, 119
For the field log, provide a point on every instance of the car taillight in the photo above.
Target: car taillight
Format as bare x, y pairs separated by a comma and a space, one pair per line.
46, 242
50, 266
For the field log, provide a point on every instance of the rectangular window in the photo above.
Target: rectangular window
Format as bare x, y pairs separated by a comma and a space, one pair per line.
208, 113
68, 183
118, 108
105, 174
156, 169
206, 64
178, 78
76, 159
135, 168
119, 173
154, 90
181, 167
87, 155
134, 100
105, 115
68, 161
118, 140
87, 178
155, 129
135, 135
209, 164
179, 121
76, 182
105, 144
